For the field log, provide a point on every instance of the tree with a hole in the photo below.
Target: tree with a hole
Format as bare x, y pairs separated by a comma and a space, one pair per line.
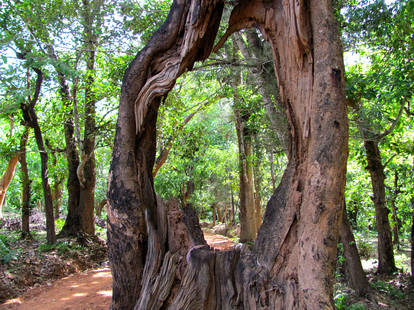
290, 265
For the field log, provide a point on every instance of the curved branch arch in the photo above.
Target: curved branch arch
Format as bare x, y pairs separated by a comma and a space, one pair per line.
291, 263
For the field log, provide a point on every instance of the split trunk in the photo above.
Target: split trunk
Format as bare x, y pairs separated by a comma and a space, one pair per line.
291, 263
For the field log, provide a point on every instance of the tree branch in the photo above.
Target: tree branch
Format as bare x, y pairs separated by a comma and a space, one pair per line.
389, 130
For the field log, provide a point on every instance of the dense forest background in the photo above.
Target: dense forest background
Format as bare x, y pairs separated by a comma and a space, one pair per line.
220, 133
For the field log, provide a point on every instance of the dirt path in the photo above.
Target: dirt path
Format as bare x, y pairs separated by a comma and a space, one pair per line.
83, 291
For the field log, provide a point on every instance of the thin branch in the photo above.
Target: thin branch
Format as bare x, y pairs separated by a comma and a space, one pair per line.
389, 160
389, 130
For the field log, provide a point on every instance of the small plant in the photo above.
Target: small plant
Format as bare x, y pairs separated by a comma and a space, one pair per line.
388, 289
60, 247
356, 306
59, 224
5, 253
340, 301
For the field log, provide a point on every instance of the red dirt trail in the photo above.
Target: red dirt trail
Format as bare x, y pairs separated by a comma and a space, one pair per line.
83, 291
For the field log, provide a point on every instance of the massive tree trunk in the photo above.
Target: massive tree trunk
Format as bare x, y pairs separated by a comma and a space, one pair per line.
353, 268
6, 179
25, 185
386, 262
291, 263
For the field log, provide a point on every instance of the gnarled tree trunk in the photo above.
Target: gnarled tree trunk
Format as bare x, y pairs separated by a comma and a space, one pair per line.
291, 263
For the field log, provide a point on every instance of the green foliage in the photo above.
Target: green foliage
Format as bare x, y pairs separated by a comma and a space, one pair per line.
388, 288
356, 306
5, 253
340, 301
60, 247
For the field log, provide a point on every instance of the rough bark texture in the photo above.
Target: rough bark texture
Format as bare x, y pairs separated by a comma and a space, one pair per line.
386, 263
353, 268
25, 185
291, 263
6, 179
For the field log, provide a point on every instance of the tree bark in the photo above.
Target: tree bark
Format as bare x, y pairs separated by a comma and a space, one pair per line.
30, 118
87, 168
213, 207
291, 263
25, 185
57, 196
72, 222
6, 179
248, 227
386, 263
396, 220
353, 269
100, 207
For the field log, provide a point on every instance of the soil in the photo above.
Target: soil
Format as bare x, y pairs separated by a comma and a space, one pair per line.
87, 291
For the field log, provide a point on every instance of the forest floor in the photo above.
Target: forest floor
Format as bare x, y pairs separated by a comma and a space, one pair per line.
74, 274
35, 268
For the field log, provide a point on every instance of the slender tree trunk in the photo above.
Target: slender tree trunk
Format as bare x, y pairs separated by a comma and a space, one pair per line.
72, 223
25, 185
57, 196
87, 168
100, 207
213, 206
353, 268
219, 214
386, 262
47, 194
248, 227
30, 118
264, 74
272, 169
291, 263
6, 179
396, 220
